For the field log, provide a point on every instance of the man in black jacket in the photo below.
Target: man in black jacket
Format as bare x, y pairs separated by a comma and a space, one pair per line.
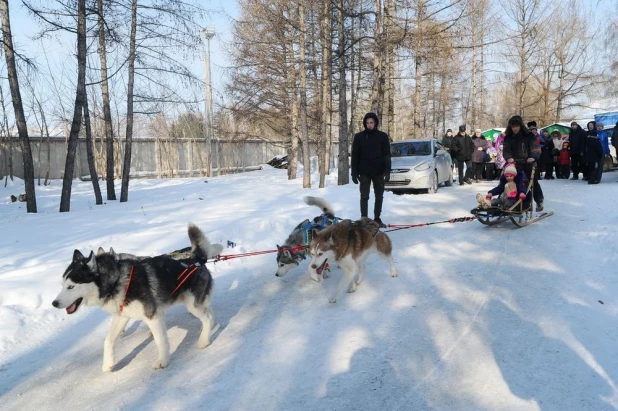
577, 150
371, 163
461, 150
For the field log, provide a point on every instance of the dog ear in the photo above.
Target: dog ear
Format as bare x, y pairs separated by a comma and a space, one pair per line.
330, 241
314, 232
278, 247
77, 256
113, 253
92, 261
100, 251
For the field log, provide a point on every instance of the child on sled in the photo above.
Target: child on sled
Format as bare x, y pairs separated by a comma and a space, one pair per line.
512, 187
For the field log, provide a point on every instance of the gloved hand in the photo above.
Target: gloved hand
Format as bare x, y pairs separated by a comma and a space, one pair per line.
488, 196
355, 178
522, 196
387, 176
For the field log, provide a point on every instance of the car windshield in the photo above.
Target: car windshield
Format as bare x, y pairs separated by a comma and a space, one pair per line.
411, 148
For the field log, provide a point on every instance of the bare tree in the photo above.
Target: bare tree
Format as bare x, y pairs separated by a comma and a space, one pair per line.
89, 151
126, 167
325, 90
80, 97
22, 129
107, 113
526, 19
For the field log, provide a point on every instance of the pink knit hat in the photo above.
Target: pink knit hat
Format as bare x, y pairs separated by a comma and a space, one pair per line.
510, 169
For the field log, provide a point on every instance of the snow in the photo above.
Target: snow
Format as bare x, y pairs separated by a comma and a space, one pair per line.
484, 318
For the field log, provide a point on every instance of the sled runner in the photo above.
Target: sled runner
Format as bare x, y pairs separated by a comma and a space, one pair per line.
495, 215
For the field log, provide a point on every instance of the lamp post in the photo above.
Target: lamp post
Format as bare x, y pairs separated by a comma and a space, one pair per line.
209, 33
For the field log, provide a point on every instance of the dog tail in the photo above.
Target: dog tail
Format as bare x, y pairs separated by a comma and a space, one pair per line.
201, 249
326, 208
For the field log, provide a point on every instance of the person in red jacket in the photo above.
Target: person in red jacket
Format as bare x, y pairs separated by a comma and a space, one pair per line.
564, 161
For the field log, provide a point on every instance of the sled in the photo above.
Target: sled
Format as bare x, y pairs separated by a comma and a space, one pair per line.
491, 216
520, 213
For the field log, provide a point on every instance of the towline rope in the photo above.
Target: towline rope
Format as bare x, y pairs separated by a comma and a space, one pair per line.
231, 256
396, 227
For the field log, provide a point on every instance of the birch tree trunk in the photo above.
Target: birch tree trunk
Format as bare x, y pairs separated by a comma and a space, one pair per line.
304, 131
107, 112
90, 152
126, 167
20, 118
294, 131
418, 73
377, 90
390, 69
344, 144
69, 168
325, 89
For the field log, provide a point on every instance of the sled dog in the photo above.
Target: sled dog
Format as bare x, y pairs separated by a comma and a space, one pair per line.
287, 256
349, 243
142, 289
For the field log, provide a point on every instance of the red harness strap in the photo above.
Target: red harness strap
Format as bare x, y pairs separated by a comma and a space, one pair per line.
126, 289
186, 276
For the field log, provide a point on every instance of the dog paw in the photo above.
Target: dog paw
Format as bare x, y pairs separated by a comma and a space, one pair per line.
203, 344
352, 287
315, 278
332, 299
159, 364
394, 273
107, 367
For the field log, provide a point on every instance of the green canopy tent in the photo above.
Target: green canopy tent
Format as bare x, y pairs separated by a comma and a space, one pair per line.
562, 128
493, 133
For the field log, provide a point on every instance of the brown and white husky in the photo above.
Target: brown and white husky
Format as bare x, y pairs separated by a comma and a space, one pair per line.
348, 244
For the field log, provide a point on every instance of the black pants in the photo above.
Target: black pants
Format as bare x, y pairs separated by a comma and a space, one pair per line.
549, 171
595, 172
565, 170
477, 171
460, 170
538, 192
378, 190
577, 163
490, 171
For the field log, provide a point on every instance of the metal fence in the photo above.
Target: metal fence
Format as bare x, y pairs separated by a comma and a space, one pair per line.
150, 157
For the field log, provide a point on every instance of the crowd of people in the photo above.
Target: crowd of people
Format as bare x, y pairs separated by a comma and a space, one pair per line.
517, 157
584, 152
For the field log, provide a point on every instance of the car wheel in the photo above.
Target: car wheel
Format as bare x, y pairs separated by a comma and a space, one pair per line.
449, 181
433, 188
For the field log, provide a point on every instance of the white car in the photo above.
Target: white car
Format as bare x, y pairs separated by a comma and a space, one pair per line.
419, 165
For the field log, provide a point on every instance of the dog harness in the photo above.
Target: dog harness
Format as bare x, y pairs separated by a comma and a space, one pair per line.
323, 222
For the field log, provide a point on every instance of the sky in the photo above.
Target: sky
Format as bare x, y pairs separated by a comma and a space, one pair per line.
25, 29
483, 318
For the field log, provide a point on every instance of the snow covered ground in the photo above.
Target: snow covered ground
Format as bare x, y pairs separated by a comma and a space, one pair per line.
489, 318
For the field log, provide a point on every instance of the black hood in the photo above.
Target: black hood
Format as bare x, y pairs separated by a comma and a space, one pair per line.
373, 116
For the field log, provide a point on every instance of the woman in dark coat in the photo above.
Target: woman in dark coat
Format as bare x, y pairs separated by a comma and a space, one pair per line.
521, 148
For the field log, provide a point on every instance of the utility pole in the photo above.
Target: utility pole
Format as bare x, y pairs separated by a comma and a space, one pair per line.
209, 33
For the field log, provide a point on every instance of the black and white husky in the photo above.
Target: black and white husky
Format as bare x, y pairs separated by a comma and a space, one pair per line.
142, 289
292, 253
